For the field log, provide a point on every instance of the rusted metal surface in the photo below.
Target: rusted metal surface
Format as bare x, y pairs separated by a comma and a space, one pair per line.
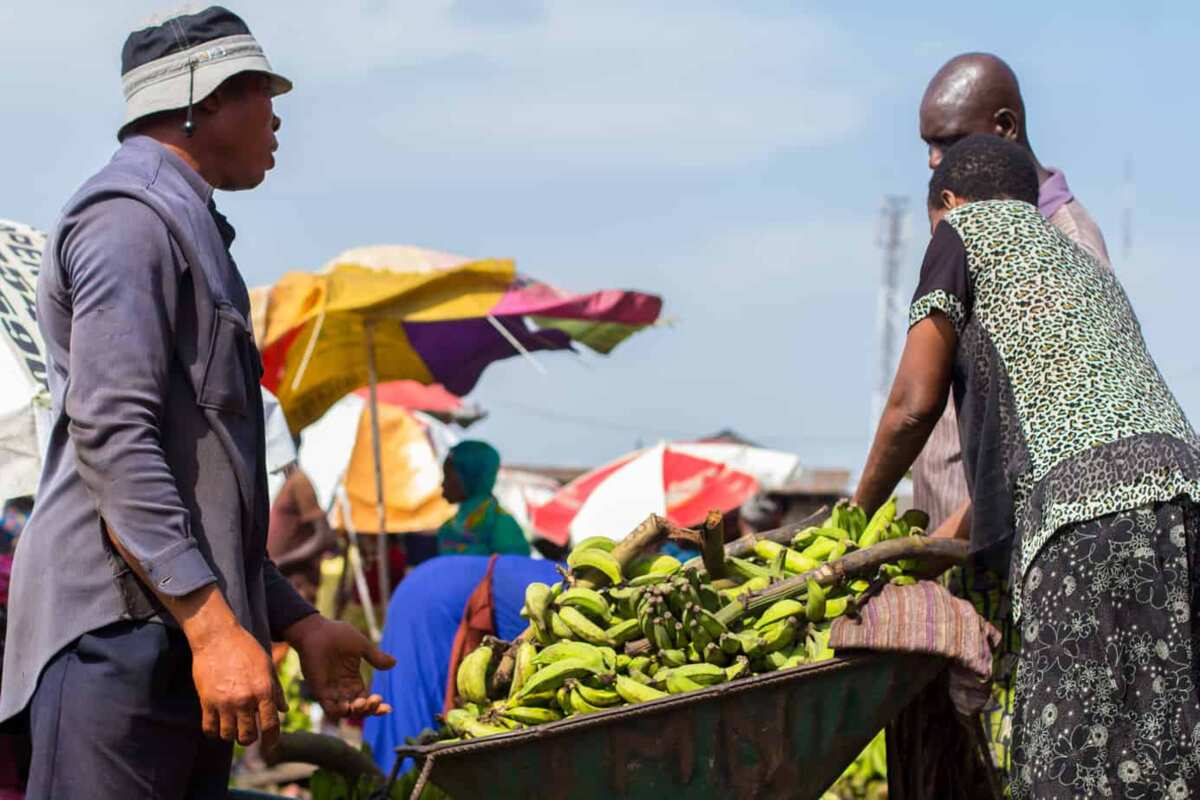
786, 734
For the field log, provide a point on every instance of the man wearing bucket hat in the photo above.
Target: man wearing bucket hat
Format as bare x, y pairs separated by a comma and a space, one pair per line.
142, 596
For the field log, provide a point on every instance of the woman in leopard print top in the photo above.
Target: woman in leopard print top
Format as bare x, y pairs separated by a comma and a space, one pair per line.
1083, 473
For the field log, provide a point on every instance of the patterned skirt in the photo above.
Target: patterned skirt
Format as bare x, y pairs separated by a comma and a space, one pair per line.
1106, 698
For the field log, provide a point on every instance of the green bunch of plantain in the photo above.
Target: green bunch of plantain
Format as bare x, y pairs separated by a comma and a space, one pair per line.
607, 636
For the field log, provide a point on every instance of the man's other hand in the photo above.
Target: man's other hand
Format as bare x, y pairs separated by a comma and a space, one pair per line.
240, 697
330, 660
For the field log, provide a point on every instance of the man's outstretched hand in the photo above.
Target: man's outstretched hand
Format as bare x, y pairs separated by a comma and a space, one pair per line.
330, 655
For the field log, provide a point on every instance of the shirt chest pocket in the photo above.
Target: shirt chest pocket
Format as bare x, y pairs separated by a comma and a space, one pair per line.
232, 363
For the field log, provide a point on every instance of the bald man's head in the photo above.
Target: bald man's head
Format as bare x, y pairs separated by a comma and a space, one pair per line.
972, 93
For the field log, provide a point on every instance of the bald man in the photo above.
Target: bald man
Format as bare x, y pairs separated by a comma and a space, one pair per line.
978, 93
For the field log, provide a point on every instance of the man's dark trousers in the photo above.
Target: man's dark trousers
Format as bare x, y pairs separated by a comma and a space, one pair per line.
115, 715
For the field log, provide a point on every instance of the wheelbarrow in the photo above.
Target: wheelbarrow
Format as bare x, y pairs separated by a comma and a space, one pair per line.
785, 734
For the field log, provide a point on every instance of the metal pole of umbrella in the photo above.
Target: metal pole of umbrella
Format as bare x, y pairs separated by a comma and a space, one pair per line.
385, 583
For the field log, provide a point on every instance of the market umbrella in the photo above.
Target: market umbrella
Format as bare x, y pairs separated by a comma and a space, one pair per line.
24, 394
396, 312
682, 481
337, 454
433, 399
409, 313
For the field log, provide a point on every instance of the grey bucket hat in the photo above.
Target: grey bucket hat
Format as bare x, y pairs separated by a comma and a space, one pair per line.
180, 59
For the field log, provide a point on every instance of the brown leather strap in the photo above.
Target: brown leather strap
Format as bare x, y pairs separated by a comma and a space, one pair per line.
478, 620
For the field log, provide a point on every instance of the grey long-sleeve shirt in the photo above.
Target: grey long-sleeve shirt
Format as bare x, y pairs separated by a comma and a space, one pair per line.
157, 420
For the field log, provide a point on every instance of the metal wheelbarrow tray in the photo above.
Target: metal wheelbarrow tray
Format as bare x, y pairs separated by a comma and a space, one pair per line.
785, 734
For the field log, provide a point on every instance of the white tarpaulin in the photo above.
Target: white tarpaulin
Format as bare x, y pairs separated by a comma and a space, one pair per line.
24, 395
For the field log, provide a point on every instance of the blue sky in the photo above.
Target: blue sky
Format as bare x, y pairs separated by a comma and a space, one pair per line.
729, 156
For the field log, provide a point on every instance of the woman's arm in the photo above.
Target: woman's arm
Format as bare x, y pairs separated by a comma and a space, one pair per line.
917, 400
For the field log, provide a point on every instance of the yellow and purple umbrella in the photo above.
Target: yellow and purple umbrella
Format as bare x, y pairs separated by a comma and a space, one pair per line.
421, 315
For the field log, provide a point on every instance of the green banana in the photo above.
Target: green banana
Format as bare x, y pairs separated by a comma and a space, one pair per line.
597, 697
745, 569
648, 579
858, 586
523, 666
679, 636
820, 549
710, 599
776, 565
582, 627
568, 649
678, 684
662, 637
879, 522
817, 645
903, 580
780, 635
609, 656
638, 675
540, 634
713, 654
836, 606
856, 522
465, 724
579, 703
623, 601
752, 644
805, 537
598, 542
530, 715
779, 610
739, 668
558, 628
665, 565
772, 661
795, 657
562, 696
633, 691
730, 644
624, 631
589, 601
814, 607
703, 674
471, 679
752, 585
556, 674
597, 560
538, 698
623, 661
537, 603
673, 658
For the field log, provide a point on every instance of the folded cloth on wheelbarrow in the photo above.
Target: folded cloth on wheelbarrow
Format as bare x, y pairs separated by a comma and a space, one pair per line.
925, 618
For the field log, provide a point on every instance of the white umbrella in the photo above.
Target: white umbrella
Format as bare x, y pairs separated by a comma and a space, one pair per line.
24, 394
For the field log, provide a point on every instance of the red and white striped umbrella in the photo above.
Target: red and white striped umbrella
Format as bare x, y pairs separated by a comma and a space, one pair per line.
682, 481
